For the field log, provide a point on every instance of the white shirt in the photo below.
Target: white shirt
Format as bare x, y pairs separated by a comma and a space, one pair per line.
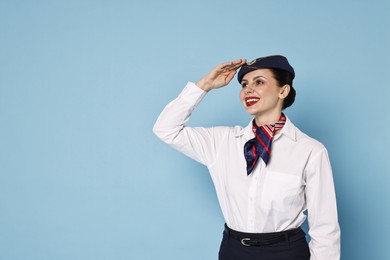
272, 198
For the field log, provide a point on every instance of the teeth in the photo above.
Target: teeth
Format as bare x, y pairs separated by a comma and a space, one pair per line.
252, 100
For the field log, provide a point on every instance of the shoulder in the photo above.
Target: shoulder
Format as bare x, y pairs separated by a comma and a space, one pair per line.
304, 140
232, 130
227, 132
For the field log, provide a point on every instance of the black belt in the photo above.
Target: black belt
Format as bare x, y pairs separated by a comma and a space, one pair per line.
261, 239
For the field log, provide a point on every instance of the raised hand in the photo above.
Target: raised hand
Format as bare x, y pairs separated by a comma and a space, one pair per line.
221, 75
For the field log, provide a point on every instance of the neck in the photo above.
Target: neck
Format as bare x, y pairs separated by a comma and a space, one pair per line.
269, 119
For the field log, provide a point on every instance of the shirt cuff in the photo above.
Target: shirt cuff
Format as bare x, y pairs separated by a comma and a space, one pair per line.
192, 93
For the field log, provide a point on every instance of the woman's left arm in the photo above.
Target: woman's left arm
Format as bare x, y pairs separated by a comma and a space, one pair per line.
324, 228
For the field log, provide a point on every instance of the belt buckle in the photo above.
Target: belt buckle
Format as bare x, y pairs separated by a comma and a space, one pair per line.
244, 240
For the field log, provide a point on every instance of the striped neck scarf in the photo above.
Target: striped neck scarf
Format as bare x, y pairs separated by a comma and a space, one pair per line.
260, 146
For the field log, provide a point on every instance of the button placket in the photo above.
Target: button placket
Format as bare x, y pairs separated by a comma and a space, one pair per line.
251, 200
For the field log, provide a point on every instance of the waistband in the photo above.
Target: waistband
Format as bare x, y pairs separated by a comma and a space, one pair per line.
262, 239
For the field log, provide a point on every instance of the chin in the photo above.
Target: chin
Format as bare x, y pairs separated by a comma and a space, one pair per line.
250, 111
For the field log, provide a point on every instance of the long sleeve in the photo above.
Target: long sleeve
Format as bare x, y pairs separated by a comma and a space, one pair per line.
198, 142
324, 229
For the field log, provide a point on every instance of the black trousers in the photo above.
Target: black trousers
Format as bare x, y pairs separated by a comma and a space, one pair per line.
294, 247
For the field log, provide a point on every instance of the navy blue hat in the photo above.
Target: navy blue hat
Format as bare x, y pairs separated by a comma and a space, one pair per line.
268, 62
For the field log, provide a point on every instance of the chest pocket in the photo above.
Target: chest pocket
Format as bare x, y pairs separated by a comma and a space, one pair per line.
281, 191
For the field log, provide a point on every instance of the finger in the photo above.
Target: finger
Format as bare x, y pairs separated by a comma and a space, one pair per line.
232, 65
229, 77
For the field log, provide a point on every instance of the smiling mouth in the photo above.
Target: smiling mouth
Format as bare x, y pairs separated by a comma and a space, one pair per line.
250, 101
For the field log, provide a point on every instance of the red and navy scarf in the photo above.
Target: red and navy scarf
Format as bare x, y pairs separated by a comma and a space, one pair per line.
260, 146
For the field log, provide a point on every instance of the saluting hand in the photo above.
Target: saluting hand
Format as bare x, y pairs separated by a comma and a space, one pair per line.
220, 76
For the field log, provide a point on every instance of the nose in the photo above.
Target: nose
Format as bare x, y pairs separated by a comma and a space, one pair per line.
248, 89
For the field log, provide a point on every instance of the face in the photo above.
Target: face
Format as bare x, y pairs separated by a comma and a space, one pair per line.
261, 95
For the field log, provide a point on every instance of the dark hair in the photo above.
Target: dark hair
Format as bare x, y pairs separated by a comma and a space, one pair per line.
284, 77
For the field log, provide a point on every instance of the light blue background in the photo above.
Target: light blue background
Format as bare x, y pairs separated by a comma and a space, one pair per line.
82, 82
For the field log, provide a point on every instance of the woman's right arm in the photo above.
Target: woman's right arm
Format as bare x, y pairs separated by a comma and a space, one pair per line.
170, 126
197, 143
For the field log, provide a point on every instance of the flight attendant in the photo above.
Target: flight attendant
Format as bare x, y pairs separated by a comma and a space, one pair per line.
266, 174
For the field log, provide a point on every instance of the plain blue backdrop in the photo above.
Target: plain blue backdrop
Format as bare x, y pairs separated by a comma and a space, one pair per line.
82, 83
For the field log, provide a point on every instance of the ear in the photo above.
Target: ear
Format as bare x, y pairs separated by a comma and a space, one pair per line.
284, 91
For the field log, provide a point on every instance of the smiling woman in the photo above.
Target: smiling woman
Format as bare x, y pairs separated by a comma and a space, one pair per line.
262, 95
262, 195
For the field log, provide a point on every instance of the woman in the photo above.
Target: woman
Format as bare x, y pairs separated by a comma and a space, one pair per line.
265, 174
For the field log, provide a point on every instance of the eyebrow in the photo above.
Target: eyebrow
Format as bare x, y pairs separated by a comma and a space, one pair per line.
257, 77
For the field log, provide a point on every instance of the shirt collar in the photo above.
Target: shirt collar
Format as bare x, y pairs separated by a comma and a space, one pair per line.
288, 130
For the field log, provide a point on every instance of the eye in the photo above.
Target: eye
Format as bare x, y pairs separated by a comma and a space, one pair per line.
259, 82
244, 84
